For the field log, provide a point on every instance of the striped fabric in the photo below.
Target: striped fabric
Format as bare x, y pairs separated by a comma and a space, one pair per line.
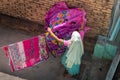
26, 53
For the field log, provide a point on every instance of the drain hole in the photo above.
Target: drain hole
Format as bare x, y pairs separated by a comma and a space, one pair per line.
100, 69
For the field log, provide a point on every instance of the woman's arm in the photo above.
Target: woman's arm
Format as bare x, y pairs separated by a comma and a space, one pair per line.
54, 36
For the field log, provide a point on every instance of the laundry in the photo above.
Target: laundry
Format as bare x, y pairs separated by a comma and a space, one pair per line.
63, 22
26, 53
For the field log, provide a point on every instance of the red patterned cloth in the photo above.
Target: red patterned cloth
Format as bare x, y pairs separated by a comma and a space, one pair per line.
26, 53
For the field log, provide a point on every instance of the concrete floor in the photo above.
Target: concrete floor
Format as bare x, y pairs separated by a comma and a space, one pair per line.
52, 69
47, 70
4, 76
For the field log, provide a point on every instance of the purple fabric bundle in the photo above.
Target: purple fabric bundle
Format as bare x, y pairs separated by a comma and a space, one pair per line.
63, 22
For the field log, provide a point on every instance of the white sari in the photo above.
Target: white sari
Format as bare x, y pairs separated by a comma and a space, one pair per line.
75, 51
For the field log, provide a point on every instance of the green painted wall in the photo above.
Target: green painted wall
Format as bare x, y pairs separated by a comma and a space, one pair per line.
106, 51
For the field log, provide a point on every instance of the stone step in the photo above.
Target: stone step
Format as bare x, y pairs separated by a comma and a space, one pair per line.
4, 76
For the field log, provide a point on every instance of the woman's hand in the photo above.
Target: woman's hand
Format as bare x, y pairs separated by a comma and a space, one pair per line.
53, 35
49, 29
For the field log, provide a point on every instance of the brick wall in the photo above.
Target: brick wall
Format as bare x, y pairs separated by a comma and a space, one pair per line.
98, 13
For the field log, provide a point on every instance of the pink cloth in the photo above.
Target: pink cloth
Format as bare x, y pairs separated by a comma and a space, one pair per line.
66, 42
82, 32
31, 49
26, 53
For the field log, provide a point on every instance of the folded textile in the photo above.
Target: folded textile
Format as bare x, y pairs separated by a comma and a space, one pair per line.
26, 53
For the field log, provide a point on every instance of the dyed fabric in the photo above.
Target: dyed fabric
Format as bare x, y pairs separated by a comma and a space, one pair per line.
26, 53
66, 42
63, 22
43, 48
31, 51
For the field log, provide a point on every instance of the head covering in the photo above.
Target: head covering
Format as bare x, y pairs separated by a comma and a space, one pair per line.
75, 51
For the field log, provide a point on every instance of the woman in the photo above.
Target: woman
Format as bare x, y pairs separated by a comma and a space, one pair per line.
72, 57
